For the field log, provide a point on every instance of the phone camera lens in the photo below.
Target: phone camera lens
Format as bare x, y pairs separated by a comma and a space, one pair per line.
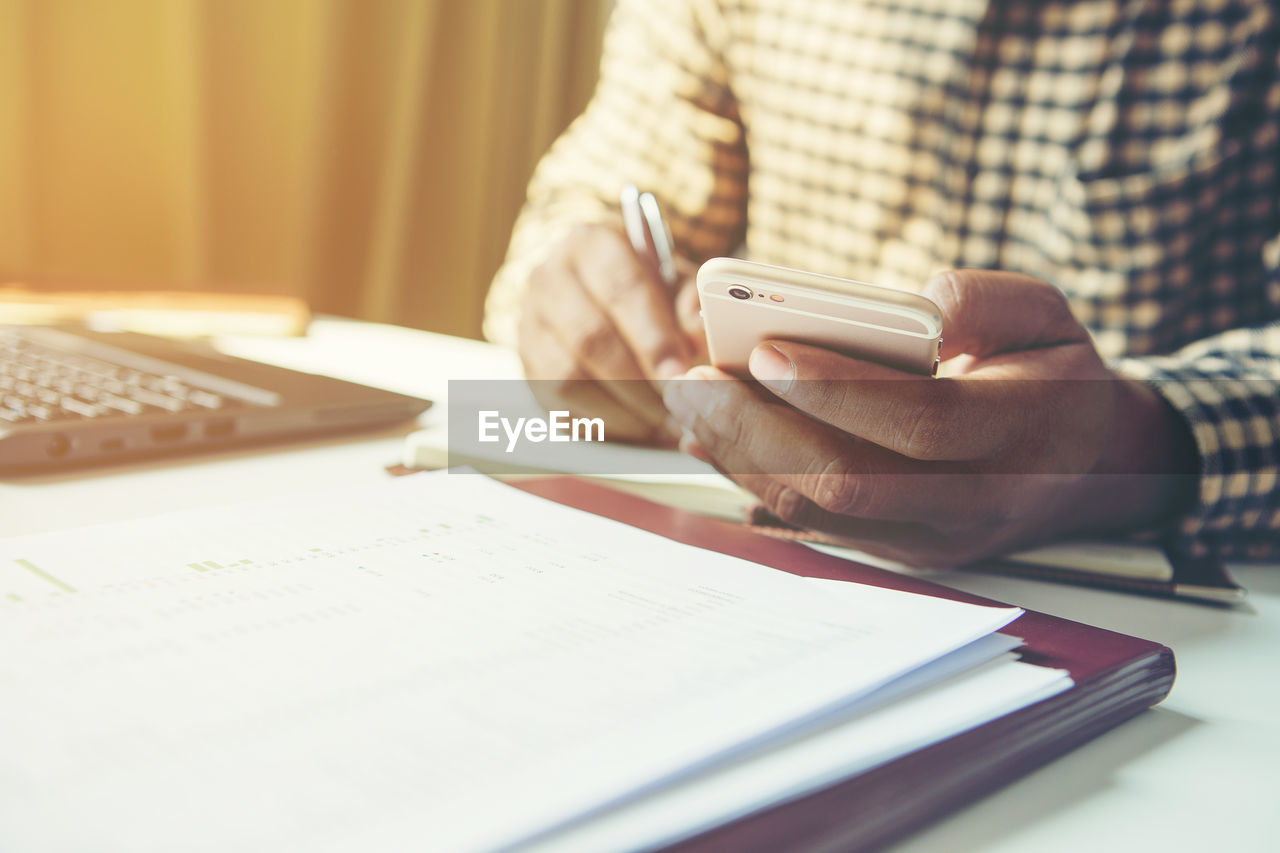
738, 292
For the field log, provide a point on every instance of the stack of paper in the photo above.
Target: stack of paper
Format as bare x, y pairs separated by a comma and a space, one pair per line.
442, 662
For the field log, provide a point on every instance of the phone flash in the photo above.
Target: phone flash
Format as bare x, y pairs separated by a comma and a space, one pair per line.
775, 297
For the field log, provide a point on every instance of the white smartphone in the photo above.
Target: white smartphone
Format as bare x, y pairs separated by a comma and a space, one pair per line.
744, 303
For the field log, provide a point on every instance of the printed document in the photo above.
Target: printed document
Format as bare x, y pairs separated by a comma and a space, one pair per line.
435, 662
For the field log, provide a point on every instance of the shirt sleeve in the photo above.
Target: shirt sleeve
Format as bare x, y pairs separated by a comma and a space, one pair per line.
1227, 387
662, 117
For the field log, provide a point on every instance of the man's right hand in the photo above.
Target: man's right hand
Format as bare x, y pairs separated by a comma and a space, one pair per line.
602, 333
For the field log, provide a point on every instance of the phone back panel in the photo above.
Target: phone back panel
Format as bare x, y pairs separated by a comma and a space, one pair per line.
891, 327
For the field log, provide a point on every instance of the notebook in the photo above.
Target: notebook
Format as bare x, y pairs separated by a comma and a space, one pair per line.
70, 396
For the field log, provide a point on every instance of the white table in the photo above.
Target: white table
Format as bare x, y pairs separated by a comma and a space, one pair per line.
1200, 772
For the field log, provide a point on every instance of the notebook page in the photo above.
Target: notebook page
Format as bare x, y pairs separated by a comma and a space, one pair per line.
286, 673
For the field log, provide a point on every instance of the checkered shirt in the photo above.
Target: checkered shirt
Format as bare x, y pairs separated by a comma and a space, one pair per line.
1128, 152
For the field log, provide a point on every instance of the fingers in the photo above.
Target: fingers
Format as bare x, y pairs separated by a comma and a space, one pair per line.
559, 381
596, 311
987, 312
915, 416
852, 493
586, 335
820, 498
775, 450
904, 541
637, 303
689, 310
1023, 348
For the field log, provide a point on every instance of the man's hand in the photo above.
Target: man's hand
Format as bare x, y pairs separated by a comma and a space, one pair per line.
600, 324
1026, 437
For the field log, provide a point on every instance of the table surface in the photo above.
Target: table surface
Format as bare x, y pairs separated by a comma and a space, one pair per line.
1200, 771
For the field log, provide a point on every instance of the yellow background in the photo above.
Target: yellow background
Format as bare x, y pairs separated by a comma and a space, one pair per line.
368, 155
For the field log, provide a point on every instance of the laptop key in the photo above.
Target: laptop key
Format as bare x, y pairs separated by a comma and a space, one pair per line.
205, 399
80, 407
123, 404
87, 392
151, 398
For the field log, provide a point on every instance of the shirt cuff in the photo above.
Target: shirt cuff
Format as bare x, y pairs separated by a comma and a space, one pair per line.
1235, 422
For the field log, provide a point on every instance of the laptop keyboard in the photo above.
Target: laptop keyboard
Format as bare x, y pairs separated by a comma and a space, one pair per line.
39, 382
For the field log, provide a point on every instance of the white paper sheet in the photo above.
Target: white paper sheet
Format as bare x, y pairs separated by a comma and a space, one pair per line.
850, 744
433, 448
439, 653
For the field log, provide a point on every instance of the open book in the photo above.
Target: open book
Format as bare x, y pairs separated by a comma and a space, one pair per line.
443, 662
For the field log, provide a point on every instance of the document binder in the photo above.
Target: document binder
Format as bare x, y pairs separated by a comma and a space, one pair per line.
1116, 676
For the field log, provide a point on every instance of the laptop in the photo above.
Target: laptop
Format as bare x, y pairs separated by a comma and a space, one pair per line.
69, 396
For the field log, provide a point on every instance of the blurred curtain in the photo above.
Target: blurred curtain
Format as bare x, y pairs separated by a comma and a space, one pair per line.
369, 155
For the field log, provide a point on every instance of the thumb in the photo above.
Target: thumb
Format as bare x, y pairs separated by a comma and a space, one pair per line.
988, 312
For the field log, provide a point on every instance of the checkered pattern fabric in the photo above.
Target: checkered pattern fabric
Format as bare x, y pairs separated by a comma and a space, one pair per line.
1126, 150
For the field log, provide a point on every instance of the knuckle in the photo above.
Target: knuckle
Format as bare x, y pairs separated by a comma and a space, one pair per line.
697, 422
790, 506
579, 234
588, 244
595, 343
837, 488
722, 437
550, 275
623, 286
595, 253
613, 268
948, 289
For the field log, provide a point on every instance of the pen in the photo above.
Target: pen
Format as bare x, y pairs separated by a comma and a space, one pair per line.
648, 232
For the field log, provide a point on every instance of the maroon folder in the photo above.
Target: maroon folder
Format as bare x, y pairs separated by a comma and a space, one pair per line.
1116, 676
